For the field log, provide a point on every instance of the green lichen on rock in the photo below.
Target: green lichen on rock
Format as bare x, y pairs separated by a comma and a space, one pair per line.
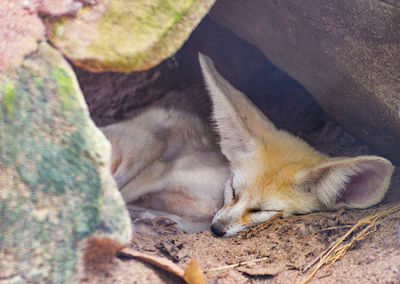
9, 96
63, 85
56, 189
124, 35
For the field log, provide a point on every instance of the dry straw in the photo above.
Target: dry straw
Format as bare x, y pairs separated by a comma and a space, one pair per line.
339, 249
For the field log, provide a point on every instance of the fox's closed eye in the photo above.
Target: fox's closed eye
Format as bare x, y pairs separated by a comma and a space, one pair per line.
259, 210
234, 191
254, 210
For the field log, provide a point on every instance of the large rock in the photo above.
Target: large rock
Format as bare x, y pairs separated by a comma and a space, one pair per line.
178, 83
21, 27
112, 96
59, 206
346, 54
125, 35
19, 32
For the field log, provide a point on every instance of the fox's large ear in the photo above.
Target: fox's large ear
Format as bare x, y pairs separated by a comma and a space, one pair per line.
236, 140
256, 122
357, 182
233, 114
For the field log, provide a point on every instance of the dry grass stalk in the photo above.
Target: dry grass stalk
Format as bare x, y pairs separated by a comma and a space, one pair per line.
335, 228
338, 250
311, 264
236, 264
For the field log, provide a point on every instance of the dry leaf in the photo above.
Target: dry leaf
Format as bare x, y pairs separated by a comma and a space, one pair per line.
193, 274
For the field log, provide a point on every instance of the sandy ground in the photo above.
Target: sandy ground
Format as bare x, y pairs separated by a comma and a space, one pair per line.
289, 244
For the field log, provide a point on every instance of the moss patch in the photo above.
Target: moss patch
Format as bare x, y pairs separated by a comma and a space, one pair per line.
8, 96
130, 35
65, 89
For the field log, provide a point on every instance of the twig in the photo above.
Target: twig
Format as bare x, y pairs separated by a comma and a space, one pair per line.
192, 274
160, 262
236, 264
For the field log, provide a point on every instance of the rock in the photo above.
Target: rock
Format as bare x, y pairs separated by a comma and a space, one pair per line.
244, 66
112, 96
236, 59
20, 29
59, 206
21, 26
177, 83
346, 54
58, 8
125, 35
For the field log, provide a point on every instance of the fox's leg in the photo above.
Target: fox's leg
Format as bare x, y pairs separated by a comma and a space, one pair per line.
150, 221
152, 179
160, 222
133, 163
133, 152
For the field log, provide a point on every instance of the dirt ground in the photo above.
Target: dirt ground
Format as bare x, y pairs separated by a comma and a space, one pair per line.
289, 244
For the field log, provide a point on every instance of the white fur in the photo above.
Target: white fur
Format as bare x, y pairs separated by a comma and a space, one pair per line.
166, 161
236, 141
332, 179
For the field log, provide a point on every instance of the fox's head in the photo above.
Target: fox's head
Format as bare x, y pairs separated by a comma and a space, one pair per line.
275, 172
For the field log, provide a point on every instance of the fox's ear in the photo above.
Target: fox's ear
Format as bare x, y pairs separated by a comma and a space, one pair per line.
256, 122
349, 182
236, 140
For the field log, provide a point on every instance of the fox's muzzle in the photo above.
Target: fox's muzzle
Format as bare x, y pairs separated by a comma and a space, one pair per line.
218, 229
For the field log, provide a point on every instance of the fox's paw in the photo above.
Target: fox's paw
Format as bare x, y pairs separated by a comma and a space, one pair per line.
157, 225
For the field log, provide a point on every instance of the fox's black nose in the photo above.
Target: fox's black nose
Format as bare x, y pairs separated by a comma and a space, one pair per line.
217, 229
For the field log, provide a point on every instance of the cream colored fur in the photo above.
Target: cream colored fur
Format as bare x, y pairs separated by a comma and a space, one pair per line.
273, 171
166, 164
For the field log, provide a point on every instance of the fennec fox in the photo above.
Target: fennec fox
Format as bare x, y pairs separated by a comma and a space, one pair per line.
167, 165
273, 171
166, 161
